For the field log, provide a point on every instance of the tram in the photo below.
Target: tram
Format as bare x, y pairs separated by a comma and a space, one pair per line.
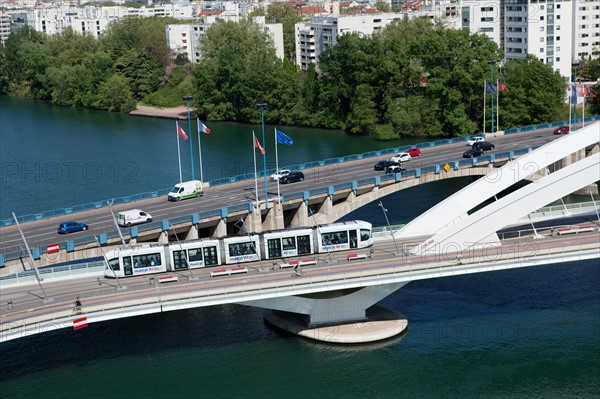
158, 258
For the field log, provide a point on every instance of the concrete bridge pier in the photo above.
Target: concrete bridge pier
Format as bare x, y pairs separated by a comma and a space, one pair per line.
345, 316
300, 217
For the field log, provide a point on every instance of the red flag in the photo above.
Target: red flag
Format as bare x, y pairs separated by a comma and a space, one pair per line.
181, 132
204, 128
584, 91
257, 145
502, 87
79, 323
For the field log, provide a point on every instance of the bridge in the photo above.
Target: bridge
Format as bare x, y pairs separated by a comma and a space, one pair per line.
338, 297
340, 189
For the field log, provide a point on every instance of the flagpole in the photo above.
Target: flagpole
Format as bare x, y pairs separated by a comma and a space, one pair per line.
255, 174
178, 151
276, 162
484, 91
497, 106
570, 102
200, 150
584, 96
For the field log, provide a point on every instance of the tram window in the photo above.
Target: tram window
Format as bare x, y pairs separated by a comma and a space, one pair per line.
242, 248
147, 260
365, 234
289, 243
210, 256
274, 247
303, 245
114, 264
194, 254
337, 237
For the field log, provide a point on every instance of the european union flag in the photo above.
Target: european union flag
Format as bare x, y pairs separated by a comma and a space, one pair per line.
283, 138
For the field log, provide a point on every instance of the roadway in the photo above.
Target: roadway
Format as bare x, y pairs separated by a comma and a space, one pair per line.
43, 232
102, 294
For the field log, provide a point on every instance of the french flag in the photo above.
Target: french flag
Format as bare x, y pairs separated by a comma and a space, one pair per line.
203, 128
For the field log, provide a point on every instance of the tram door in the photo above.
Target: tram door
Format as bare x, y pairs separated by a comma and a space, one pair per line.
274, 247
179, 261
210, 256
127, 268
353, 239
303, 245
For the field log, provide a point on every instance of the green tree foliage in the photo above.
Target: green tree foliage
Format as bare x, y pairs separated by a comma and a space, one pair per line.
536, 93
115, 95
288, 16
239, 69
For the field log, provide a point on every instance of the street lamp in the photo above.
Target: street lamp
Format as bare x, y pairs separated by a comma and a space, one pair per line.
189, 99
388, 223
575, 64
262, 107
492, 63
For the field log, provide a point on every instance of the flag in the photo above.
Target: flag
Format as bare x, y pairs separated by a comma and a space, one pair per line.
203, 128
573, 91
79, 323
584, 91
490, 88
181, 132
283, 138
257, 145
502, 87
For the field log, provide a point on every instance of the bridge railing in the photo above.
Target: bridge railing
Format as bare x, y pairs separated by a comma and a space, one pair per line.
227, 180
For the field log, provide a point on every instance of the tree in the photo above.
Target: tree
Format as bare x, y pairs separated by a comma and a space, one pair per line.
115, 95
536, 93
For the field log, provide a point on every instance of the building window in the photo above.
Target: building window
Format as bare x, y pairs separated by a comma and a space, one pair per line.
557, 59
487, 19
557, 38
541, 40
541, 50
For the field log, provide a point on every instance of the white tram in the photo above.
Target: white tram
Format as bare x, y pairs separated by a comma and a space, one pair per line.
157, 258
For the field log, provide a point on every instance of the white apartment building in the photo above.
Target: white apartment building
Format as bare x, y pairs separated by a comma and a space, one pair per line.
312, 38
4, 28
556, 32
92, 19
185, 38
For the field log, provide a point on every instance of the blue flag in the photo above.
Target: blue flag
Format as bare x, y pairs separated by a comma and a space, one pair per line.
490, 88
283, 138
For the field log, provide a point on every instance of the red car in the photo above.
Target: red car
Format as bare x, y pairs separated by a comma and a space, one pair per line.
561, 130
414, 152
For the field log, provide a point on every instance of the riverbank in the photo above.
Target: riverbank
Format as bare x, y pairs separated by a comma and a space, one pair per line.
180, 112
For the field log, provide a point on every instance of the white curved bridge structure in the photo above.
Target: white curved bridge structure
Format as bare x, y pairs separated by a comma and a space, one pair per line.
454, 209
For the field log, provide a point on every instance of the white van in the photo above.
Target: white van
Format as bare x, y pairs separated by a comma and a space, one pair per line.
134, 216
186, 189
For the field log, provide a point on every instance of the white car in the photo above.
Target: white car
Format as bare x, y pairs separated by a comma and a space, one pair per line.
402, 157
278, 175
474, 140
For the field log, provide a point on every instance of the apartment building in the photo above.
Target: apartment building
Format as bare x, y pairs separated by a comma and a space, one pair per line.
556, 32
185, 38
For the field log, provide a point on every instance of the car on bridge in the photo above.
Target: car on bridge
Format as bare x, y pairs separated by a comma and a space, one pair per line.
562, 130
292, 177
383, 165
414, 152
483, 146
472, 153
474, 140
71, 227
278, 175
394, 169
402, 157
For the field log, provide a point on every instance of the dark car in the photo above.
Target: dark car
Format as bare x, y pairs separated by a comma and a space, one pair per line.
394, 169
383, 165
292, 177
71, 227
483, 146
562, 130
472, 153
